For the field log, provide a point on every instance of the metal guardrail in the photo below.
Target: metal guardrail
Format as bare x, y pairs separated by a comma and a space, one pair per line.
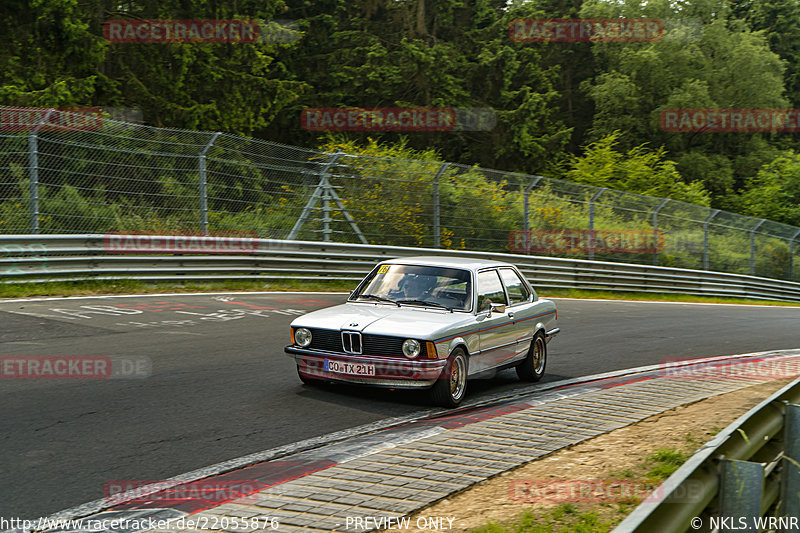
748, 473
58, 177
41, 258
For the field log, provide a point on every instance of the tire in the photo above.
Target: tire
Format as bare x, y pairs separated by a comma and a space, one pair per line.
451, 387
532, 367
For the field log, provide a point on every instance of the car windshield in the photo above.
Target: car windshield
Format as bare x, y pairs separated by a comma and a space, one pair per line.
430, 286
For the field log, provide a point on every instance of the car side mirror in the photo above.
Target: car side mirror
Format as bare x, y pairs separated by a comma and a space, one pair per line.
497, 308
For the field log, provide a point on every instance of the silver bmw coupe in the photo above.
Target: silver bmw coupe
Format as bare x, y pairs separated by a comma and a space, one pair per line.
428, 322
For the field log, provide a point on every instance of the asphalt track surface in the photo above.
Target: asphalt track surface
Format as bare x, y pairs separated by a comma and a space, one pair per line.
219, 386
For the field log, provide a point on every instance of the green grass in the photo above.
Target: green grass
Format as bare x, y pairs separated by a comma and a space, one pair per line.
89, 288
664, 461
666, 297
622, 474
563, 519
602, 517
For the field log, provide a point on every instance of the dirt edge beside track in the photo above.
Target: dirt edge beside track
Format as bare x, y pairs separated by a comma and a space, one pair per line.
621, 454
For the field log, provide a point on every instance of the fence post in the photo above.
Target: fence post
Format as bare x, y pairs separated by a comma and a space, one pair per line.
437, 238
655, 228
591, 221
204, 182
741, 490
33, 170
705, 237
791, 254
326, 216
790, 477
526, 212
753, 247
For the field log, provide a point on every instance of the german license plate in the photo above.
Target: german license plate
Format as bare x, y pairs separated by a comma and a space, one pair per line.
353, 369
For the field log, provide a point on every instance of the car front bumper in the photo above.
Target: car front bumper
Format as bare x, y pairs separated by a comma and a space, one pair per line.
390, 372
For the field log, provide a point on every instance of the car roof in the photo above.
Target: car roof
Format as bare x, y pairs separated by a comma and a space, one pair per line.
452, 262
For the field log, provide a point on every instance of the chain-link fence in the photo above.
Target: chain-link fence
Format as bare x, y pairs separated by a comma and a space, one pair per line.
63, 173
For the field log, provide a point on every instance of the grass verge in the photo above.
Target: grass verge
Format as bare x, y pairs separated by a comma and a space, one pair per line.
565, 518
593, 485
665, 297
103, 287
99, 288
601, 516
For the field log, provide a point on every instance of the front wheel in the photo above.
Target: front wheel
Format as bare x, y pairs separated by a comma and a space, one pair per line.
451, 387
532, 367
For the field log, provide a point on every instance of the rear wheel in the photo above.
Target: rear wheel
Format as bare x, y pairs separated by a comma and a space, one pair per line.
451, 387
532, 367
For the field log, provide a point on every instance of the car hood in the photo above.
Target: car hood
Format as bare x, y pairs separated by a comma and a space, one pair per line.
382, 319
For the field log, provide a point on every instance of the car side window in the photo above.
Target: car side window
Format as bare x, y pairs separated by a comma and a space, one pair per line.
517, 290
490, 290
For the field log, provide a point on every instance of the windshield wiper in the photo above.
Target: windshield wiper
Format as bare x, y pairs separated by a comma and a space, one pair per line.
378, 298
425, 302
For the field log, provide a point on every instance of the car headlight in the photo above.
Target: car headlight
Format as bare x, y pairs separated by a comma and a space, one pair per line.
411, 348
302, 337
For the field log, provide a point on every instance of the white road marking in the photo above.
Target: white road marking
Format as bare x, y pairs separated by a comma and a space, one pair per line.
110, 296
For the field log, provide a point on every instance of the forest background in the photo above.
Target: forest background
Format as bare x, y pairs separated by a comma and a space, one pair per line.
585, 112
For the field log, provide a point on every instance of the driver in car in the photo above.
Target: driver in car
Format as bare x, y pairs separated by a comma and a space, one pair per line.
415, 287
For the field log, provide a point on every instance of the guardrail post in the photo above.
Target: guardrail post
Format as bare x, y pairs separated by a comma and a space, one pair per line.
437, 238
655, 228
204, 182
741, 489
705, 237
791, 254
790, 477
753, 247
526, 211
591, 221
33, 169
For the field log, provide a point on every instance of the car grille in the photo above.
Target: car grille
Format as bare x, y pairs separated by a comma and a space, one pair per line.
381, 345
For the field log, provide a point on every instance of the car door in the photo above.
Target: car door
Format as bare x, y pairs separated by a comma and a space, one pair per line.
520, 307
497, 333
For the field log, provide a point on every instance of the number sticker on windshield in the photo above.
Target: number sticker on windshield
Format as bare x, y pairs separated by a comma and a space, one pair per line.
384, 269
